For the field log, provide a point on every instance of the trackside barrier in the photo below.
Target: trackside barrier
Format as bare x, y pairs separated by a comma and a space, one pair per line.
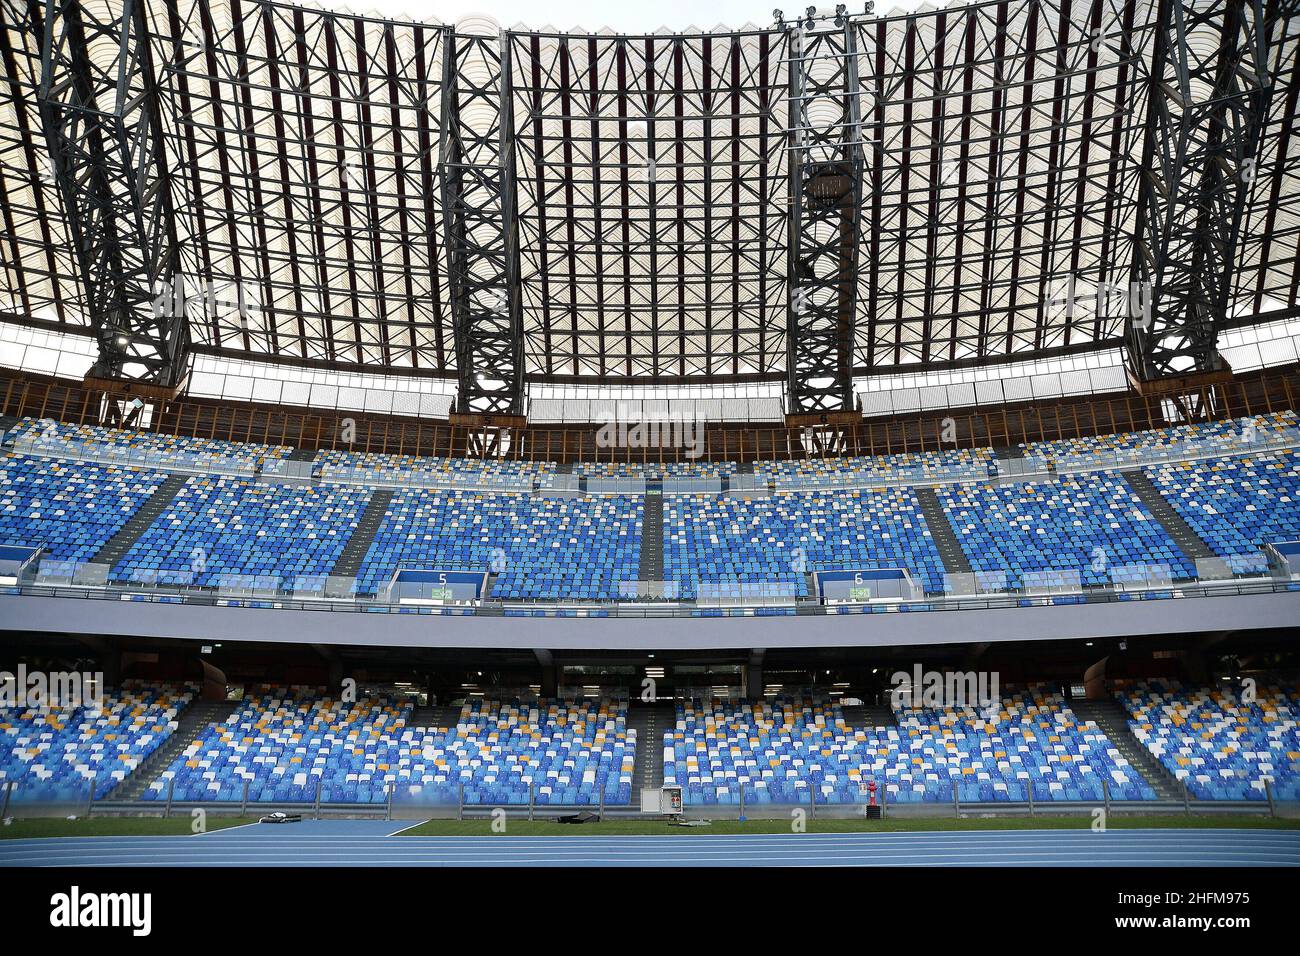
944, 809
753, 810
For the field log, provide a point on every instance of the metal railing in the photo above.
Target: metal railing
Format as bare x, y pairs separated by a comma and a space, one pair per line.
489, 479
638, 599
108, 453
18, 802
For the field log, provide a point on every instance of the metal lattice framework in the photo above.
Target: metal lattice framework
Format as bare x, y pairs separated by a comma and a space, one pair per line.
478, 201
651, 204
826, 171
1207, 100
99, 108
1001, 163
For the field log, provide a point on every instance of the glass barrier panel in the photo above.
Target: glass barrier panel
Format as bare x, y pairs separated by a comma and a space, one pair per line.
90, 574
1214, 569
52, 571
1066, 581
341, 587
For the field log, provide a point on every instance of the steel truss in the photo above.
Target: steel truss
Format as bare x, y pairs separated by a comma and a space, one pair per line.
99, 108
826, 171
652, 179
1003, 165
479, 218
1208, 93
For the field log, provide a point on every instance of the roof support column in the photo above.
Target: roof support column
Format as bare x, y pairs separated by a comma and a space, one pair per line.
1207, 100
826, 170
99, 108
476, 166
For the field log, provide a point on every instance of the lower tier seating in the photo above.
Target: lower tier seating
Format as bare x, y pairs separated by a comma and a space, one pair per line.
1220, 746
286, 742
57, 753
568, 752
793, 750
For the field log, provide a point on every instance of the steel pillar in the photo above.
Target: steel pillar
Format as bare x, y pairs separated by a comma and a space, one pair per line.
479, 215
99, 109
825, 195
1207, 100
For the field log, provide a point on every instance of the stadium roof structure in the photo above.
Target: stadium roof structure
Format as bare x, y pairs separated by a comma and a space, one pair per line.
637, 196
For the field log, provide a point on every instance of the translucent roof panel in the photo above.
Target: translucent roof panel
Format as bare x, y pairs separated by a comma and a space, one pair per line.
1002, 144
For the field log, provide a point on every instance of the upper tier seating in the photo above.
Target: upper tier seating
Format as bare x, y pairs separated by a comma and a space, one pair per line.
1091, 523
540, 548
284, 742
1220, 747
71, 508
152, 448
730, 542
1236, 504
57, 753
903, 465
1215, 436
218, 529
231, 530
379, 467
777, 750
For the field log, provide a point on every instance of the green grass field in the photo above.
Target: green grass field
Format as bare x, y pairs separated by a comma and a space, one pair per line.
113, 826
917, 824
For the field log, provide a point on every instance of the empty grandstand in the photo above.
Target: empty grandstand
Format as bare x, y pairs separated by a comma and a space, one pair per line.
872, 415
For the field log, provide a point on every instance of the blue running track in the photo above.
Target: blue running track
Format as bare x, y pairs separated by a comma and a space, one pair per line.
368, 843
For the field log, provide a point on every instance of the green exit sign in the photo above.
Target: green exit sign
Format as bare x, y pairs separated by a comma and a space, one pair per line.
859, 594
